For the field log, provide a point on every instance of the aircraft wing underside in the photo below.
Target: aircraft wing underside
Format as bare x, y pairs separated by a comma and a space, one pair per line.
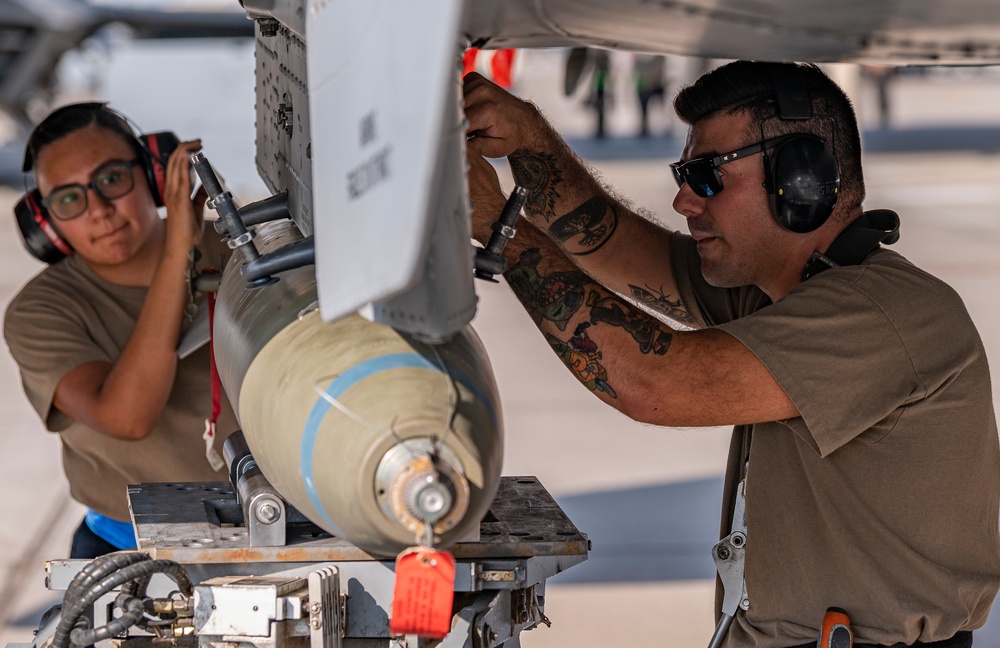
896, 32
370, 145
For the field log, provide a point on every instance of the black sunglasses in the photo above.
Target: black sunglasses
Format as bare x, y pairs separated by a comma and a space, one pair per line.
703, 174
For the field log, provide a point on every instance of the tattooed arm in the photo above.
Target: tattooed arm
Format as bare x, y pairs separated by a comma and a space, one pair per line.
610, 243
631, 360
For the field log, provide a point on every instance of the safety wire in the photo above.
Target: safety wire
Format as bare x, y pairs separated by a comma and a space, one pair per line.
426, 538
307, 310
340, 407
453, 400
452, 393
317, 386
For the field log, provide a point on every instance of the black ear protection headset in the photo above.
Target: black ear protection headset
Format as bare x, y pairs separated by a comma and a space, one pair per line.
38, 229
801, 174
802, 179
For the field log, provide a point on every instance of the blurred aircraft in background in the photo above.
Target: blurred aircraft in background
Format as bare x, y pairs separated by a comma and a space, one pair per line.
35, 34
917, 32
404, 176
364, 152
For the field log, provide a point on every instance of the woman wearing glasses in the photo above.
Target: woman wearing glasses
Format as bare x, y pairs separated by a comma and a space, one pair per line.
95, 335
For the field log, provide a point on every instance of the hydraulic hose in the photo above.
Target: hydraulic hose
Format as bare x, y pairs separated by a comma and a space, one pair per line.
131, 570
133, 611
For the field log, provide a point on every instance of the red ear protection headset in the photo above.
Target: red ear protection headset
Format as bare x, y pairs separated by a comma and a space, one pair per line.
38, 229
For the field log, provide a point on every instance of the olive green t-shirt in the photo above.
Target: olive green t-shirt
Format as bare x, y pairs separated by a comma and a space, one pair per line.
66, 316
882, 498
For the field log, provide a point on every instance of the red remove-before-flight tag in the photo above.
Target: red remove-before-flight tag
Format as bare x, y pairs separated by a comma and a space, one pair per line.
425, 587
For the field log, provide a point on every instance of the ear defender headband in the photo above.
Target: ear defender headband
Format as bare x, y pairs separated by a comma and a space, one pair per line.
801, 174
39, 232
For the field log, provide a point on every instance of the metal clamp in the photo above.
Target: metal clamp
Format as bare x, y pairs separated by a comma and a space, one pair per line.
243, 239
220, 200
264, 511
729, 555
489, 261
326, 622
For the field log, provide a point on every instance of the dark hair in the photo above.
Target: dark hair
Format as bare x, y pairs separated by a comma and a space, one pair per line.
749, 87
69, 119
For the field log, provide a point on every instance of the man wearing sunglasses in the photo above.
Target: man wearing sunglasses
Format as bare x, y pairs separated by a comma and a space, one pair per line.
865, 438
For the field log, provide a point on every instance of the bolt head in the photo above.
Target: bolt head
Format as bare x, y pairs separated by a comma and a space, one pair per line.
267, 512
432, 501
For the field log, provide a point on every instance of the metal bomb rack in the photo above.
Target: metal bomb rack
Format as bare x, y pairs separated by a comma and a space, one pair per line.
278, 580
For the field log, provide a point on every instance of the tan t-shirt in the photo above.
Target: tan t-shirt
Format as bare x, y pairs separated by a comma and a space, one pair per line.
883, 497
66, 316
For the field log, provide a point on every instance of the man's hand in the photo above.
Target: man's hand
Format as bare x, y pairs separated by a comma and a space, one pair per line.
499, 125
487, 198
499, 122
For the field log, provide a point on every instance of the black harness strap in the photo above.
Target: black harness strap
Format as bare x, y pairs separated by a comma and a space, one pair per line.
857, 241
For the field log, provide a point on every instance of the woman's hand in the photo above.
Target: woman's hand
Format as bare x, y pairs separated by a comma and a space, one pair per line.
184, 214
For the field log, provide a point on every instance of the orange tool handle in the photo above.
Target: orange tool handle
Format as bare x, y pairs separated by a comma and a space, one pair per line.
836, 631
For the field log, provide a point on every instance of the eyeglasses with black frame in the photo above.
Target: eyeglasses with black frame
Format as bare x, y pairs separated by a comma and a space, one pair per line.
702, 174
112, 180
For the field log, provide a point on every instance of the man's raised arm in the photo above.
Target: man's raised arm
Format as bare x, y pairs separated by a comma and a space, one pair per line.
631, 360
606, 240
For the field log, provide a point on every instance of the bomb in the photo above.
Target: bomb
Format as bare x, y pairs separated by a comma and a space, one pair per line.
375, 436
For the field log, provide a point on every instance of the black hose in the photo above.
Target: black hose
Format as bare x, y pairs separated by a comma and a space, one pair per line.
93, 573
139, 571
294, 255
137, 587
133, 612
133, 572
265, 211
101, 567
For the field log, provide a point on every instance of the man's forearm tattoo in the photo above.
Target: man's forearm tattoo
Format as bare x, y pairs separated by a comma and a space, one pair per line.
556, 297
588, 227
650, 333
583, 358
583, 230
559, 296
659, 302
539, 174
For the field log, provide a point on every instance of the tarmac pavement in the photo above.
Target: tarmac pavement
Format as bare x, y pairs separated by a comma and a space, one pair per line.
647, 496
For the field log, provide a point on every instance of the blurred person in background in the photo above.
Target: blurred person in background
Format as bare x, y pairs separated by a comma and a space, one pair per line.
649, 74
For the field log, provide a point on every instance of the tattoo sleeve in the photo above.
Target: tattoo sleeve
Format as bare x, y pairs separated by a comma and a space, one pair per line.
540, 175
557, 299
588, 227
659, 302
583, 230
650, 333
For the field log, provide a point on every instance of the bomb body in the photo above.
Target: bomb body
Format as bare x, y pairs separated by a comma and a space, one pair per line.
368, 432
